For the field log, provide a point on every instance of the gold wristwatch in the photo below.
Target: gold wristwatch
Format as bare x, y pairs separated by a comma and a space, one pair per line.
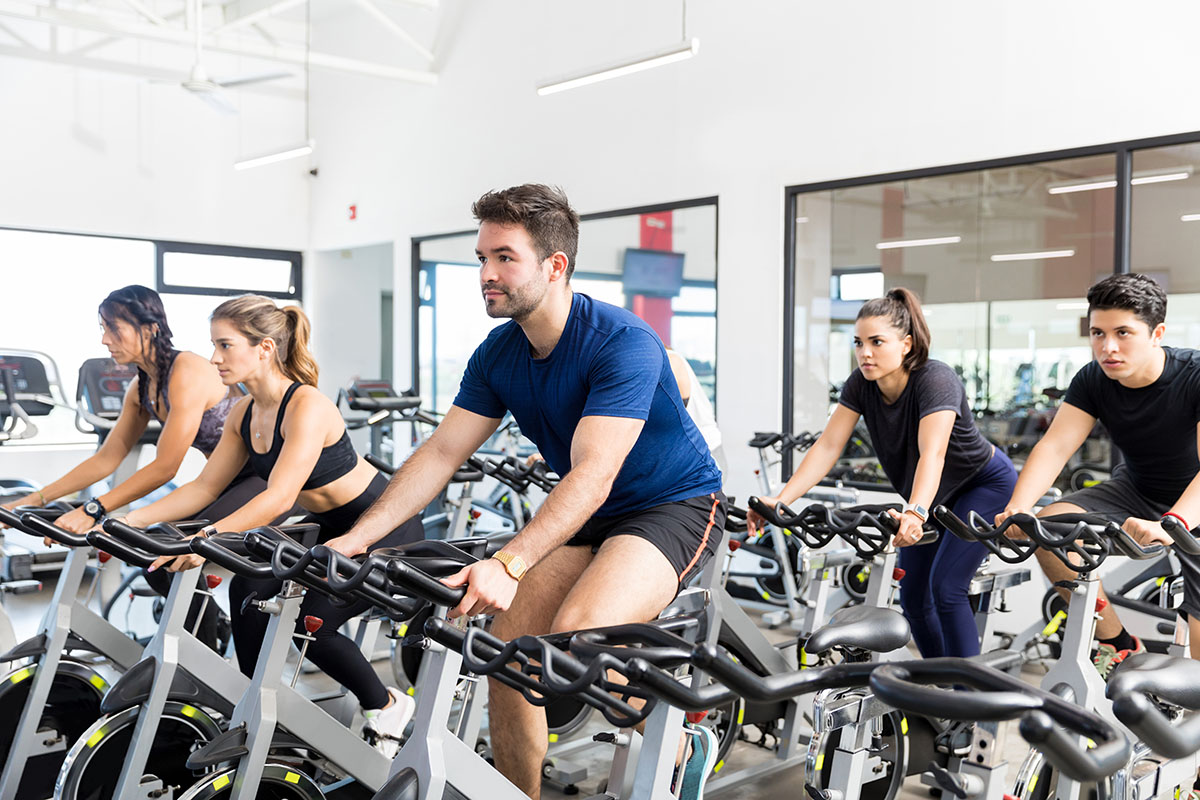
514, 565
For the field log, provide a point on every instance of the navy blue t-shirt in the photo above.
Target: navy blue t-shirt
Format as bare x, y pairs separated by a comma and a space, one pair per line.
608, 363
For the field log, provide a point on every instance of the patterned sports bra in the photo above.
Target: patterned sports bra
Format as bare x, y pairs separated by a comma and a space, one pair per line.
212, 422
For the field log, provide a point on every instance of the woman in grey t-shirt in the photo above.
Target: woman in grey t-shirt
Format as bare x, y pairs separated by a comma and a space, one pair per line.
927, 443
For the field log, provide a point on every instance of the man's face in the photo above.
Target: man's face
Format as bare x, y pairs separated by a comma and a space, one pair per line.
511, 276
1122, 343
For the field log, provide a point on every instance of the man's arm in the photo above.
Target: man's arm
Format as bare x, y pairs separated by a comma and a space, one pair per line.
598, 451
419, 478
1186, 509
1067, 433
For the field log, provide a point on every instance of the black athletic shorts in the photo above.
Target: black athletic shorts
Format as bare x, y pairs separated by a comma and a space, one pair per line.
1119, 498
687, 532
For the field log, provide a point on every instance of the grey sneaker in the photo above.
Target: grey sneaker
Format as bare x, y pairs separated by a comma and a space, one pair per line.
700, 762
1108, 657
384, 727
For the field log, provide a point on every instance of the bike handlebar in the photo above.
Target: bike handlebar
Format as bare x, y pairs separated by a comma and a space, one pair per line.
866, 528
37, 524
1145, 719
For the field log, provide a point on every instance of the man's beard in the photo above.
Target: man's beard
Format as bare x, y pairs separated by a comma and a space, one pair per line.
518, 302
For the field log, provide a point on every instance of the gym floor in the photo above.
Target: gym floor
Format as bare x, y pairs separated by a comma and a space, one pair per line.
26, 612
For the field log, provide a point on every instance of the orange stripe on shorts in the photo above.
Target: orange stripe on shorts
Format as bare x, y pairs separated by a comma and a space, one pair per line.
712, 517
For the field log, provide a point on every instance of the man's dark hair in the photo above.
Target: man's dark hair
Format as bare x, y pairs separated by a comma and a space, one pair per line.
1131, 292
544, 213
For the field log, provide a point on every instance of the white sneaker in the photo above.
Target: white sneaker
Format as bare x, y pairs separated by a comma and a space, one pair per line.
384, 727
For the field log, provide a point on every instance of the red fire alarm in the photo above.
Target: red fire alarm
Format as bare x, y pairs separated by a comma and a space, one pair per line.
354, 212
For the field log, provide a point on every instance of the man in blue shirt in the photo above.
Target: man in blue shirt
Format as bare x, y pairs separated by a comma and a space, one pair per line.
638, 511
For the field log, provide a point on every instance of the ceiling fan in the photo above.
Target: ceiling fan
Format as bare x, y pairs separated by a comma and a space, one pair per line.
211, 90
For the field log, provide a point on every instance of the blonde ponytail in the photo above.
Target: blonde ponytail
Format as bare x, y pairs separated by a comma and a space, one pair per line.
258, 318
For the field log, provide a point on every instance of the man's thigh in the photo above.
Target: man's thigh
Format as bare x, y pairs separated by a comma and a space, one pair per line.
541, 593
629, 580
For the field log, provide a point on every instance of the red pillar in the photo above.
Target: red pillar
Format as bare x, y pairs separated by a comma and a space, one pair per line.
656, 233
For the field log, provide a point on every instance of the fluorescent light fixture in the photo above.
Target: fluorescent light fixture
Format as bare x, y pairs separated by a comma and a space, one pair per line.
1190, 218
275, 155
1070, 306
1033, 256
917, 242
1167, 176
676, 52
1148, 176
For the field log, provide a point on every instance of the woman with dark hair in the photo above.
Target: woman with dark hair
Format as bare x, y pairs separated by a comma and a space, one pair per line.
180, 390
295, 439
927, 443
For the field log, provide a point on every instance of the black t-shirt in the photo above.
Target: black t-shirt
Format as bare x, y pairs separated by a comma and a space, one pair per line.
1154, 426
894, 428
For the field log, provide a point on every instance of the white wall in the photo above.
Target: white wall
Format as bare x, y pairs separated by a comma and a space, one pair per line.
781, 93
88, 152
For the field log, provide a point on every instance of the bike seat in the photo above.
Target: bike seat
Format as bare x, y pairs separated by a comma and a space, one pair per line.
879, 630
1173, 679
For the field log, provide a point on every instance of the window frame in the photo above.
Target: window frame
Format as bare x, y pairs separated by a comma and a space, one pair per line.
294, 257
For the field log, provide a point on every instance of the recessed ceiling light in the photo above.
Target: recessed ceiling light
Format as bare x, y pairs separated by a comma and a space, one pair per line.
917, 242
1033, 256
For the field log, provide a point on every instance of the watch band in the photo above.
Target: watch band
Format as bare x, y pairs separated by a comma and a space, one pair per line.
919, 510
95, 509
514, 565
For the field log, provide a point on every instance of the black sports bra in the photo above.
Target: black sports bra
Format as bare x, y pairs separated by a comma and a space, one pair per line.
336, 460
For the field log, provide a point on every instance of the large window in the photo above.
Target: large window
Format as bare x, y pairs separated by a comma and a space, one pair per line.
1002, 254
56, 282
659, 262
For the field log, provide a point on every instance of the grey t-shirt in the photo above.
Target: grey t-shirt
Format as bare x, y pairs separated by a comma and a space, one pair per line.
893, 428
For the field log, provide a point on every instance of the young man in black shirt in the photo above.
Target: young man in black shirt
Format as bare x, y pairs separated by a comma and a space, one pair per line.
1148, 397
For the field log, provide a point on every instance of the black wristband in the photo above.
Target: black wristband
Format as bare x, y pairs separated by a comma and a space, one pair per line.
95, 509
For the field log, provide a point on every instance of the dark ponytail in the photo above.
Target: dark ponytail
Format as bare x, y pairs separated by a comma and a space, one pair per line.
142, 307
902, 309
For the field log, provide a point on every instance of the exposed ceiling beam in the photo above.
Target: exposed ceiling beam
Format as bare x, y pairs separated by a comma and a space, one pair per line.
287, 54
137, 6
17, 37
256, 16
393, 26
133, 70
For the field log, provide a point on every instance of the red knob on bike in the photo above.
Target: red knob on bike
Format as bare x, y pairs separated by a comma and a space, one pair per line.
476, 514
213, 581
898, 574
103, 557
695, 717
1101, 604
734, 544
313, 624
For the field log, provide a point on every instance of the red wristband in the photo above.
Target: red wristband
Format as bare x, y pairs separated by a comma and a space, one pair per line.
1182, 521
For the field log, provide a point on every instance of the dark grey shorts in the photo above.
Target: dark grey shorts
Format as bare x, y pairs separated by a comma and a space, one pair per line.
1119, 498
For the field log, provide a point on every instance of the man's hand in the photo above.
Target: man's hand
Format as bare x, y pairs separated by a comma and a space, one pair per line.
347, 544
909, 531
489, 588
1146, 532
754, 520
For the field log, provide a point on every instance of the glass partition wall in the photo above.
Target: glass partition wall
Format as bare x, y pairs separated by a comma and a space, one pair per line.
659, 262
1002, 254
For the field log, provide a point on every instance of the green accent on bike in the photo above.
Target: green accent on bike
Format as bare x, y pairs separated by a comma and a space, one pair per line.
1055, 621
741, 714
1159, 581
189, 711
292, 777
98, 682
21, 675
221, 782
553, 738
1032, 783
765, 596
95, 738
820, 761
1091, 483
717, 768
904, 726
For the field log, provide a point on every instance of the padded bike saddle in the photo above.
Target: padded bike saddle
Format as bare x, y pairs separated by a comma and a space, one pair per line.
879, 630
1172, 679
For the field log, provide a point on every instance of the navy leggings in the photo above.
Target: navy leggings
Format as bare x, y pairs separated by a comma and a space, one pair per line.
333, 653
933, 591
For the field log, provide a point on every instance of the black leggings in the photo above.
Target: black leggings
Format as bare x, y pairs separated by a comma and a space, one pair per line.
245, 487
336, 655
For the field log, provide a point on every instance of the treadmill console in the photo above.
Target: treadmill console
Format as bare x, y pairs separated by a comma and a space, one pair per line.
376, 394
102, 386
27, 376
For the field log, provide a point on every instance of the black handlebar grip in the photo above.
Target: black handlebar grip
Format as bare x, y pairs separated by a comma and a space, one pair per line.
1064, 751
151, 544
413, 581
35, 525
118, 549
1141, 716
1184, 539
892, 684
379, 464
212, 550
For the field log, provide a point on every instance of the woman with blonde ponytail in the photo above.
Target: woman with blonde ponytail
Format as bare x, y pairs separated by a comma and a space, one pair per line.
293, 437
927, 443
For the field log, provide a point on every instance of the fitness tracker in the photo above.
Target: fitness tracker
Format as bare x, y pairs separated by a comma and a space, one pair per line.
95, 509
514, 565
921, 511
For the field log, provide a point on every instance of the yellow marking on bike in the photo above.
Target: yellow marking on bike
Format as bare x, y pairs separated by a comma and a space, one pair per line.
189, 711
766, 596
95, 738
411, 691
1052, 627
404, 629
221, 782
803, 659
820, 761
786, 532
292, 777
862, 574
904, 726
98, 682
1089, 484
1159, 582
17, 677
741, 715
1032, 783
553, 738
824, 574
1091, 744
717, 768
